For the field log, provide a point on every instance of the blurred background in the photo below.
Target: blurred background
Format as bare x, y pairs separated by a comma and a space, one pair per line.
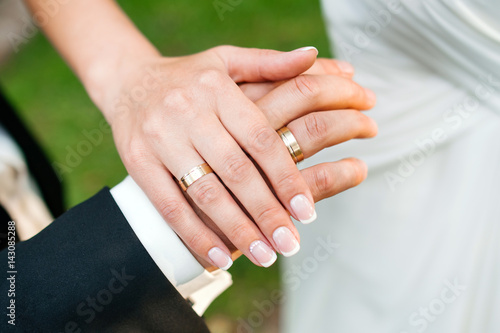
56, 108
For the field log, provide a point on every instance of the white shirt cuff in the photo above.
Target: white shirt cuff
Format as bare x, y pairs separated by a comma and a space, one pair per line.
166, 249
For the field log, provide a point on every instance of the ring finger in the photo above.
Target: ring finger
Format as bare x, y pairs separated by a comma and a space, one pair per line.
319, 130
244, 180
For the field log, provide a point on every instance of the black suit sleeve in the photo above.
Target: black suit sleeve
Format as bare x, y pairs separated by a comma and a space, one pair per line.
88, 272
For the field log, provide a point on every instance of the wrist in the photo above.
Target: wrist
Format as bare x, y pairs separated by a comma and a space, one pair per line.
108, 79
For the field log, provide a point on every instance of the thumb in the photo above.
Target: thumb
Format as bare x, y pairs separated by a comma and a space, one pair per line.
258, 65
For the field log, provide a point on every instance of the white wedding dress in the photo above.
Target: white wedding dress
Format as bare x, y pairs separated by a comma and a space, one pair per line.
417, 245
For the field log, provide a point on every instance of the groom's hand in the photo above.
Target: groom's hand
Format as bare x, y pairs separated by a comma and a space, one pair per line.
309, 116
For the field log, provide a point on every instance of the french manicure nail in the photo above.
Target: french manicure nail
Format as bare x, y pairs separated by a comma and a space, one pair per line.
307, 48
220, 258
345, 67
286, 241
263, 253
303, 209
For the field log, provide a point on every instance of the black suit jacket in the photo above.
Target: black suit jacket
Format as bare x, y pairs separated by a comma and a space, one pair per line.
87, 271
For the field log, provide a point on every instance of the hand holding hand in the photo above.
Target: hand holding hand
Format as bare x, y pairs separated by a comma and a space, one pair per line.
315, 127
199, 114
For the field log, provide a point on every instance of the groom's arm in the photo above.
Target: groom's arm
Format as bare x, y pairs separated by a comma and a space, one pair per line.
88, 272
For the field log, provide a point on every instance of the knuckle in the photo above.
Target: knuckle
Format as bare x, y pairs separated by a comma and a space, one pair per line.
323, 180
222, 48
239, 232
306, 86
316, 127
135, 154
237, 168
287, 182
151, 127
176, 103
205, 191
196, 240
210, 78
261, 138
172, 210
267, 215
176, 98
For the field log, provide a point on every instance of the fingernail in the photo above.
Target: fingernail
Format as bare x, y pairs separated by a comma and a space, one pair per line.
263, 253
371, 95
220, 258
345, 67
286, 241
307, 48
303, 209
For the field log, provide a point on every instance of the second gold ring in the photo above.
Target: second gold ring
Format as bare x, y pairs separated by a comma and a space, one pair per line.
292, 144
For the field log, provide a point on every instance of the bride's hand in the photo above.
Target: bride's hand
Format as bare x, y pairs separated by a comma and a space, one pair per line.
199, 114
315, 126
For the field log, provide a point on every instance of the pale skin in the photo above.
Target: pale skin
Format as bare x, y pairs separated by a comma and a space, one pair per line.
199, 114
314, 130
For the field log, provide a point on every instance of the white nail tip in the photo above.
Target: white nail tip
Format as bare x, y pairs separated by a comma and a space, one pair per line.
308, 48
270, 262
312, 219
229, 264
220, 258
293, 252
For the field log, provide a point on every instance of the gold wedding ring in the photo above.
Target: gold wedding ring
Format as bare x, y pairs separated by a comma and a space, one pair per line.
194, 174
292, 144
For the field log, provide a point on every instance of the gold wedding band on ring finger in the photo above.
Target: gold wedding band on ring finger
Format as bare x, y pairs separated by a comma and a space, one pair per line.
292, 144
204, 169
193, 175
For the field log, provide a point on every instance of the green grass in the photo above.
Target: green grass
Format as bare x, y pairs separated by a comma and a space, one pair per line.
55, 106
